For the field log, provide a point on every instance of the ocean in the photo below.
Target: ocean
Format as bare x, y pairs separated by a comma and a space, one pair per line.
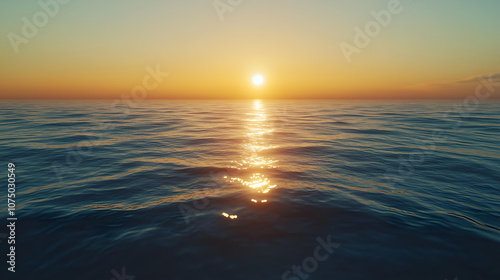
252, 189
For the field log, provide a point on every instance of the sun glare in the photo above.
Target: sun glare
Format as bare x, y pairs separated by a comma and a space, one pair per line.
258, 80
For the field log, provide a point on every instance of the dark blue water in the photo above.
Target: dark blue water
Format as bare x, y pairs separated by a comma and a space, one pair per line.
250, 189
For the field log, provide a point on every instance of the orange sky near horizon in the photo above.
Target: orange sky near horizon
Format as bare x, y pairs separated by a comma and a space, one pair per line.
89, 49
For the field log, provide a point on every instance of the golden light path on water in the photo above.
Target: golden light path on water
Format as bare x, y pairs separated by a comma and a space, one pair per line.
257, 183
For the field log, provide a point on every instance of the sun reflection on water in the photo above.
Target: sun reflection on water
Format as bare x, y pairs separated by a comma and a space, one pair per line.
254, 164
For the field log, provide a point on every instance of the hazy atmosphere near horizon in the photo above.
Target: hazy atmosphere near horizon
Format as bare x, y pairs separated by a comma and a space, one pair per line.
250, 139
305, 49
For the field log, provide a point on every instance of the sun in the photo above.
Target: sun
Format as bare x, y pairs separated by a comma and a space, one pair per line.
258, 80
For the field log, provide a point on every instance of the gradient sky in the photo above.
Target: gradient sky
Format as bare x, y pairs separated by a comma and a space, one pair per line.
100, 49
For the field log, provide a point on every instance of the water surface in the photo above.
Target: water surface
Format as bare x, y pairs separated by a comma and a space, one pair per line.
244, 189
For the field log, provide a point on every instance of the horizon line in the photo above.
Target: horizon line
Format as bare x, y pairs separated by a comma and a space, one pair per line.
256, 98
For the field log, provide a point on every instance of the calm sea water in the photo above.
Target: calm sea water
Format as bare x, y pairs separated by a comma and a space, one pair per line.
253, 190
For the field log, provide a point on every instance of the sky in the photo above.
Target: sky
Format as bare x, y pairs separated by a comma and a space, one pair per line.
211, 49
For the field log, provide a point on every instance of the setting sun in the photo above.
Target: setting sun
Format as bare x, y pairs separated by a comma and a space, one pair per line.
258, 80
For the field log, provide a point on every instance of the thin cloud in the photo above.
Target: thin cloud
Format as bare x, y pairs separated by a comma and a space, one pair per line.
495, 77
456, 88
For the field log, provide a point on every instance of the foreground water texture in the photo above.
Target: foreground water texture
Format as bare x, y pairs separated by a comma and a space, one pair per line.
253, 189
